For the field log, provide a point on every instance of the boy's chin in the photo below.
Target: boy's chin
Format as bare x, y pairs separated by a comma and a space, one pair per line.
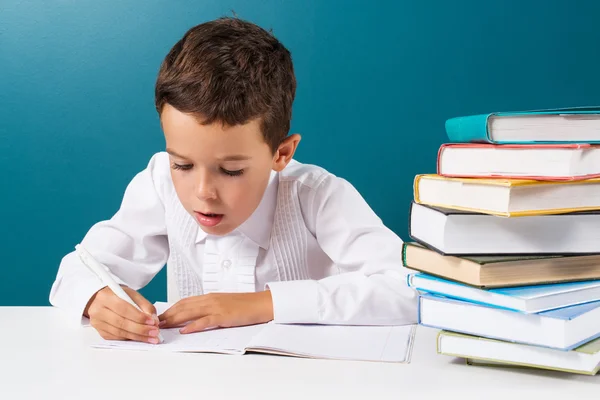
217, 230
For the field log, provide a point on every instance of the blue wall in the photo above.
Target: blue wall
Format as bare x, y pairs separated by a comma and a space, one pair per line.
377, 80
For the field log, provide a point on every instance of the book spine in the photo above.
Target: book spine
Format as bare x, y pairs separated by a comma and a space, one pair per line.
469, 129
404, 245
416, 188
438, 340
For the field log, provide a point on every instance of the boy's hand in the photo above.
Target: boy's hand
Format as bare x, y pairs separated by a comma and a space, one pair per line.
116, 319
219, 310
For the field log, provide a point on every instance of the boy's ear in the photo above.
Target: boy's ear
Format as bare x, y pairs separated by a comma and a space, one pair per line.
285, 152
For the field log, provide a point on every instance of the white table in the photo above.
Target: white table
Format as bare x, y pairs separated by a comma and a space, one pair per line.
43, 357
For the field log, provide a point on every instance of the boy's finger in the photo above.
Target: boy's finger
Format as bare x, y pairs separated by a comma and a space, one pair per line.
123, 334
108, 336
170, 312
174, 309
125, 324
180, 307
126, 310
181, 316
210, 321
141, 301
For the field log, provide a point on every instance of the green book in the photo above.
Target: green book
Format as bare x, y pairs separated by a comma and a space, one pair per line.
584, 359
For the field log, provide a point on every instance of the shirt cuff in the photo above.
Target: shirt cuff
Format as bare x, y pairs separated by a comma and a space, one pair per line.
295, 302
73, 295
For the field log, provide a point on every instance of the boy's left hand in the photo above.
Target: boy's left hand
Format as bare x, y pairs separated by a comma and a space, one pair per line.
219, 310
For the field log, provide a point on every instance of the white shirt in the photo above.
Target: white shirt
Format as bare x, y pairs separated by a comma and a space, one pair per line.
313, 241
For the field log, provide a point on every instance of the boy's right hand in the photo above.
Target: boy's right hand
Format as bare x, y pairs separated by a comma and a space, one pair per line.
116, 319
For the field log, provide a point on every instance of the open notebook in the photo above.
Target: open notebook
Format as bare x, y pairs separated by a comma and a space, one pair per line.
363, 343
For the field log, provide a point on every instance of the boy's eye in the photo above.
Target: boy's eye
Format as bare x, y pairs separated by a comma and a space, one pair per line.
232, 173
183, 167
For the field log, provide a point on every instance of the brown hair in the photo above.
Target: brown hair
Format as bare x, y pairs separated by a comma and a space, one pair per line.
230, 71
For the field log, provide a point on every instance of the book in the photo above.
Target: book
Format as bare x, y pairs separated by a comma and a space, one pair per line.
525, 299
537, 162
563, 329
360, 343
476, 350
456, 232
507, 197
560, 125
501, 271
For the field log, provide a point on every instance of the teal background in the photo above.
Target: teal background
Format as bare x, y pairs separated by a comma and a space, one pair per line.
377, 80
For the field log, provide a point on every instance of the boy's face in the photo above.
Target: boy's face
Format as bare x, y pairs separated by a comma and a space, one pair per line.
220, 173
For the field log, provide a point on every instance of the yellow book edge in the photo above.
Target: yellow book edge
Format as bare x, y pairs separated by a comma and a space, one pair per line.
503, 364
504, 181
527, 213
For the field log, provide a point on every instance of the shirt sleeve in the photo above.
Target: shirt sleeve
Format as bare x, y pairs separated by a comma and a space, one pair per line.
370, 288
132, 244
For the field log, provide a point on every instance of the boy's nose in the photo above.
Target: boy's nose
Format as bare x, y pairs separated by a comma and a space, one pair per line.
205, 189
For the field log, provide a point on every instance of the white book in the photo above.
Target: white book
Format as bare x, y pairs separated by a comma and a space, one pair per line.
545, 127
550, 162
455, 232
563, 329
361, 343
482, 351
507, 197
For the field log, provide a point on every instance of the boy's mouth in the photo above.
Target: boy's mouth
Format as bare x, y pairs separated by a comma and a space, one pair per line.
208, 219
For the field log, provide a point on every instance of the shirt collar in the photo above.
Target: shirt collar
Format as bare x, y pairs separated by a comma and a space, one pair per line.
259, 225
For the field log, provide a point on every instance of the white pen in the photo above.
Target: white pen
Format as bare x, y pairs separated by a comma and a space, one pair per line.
101, 272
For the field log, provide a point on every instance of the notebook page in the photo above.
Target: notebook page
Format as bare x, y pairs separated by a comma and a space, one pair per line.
227, 340
365, 343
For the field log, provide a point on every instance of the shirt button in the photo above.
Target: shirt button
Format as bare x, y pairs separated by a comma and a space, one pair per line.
226, 264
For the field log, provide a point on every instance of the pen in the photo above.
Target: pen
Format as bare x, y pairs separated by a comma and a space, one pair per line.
101, 272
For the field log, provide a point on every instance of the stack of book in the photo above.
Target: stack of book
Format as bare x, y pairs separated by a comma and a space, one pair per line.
507, 240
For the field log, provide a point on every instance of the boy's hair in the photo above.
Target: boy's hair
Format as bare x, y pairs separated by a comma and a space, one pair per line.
230, 71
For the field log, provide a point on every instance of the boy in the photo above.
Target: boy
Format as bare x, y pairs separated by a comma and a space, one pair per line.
249, 234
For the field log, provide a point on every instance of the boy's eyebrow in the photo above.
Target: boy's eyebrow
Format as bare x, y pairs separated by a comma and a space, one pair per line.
174, 153
237, 157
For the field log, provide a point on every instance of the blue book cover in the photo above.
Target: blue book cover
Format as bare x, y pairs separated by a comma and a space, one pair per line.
525, 299
565, 313
572, 312
475, 128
